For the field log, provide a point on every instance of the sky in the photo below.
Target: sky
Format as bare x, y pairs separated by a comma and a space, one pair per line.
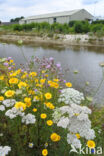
15, 8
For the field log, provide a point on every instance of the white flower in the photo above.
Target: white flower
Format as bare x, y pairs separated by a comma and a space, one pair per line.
1, 134
56, 115
2, 108
4, 150
31, 145
71, 96
12, 113
28, 119
9, 102
63, 122
18, 91
71, 139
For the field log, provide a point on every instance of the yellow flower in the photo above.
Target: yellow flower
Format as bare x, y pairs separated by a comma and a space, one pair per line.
42, 81
57, 80
68, 84
34, 110
36, 80
13, 74
48, 96
11, 61
55, 137
44, 152
49, 122
27, 99
43, 71
33, 74
1, 98
20, 105
13, 81
1, 77
78, 136
91, 144
23, 76
46, 75
36, 98
22, 84
9, 93
76, 114
49, 105
32, 92
43, 116
28, 104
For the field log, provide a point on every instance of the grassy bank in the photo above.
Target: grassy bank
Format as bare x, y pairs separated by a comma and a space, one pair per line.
74, 27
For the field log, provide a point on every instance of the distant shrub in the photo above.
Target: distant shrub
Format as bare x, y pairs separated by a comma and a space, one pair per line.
78, 27
72, 23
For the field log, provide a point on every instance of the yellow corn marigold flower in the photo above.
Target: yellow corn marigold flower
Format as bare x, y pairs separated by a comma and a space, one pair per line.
23, 76
68, 84
1, 77
13, 81
78, 136
55, 137
20, 105
13, 74
46, 75
48, 96
34, 110
91, 144
49, 122
27, 99
28, 104
9, 93
1, 98
33, 74
44, 152
43, 116
32, 92
22, 84
42, 81
49, 105
43, 71
11, 61
36, 80
36, 98
56, 80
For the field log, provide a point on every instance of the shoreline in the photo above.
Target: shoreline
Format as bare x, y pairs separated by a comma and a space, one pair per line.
57, 39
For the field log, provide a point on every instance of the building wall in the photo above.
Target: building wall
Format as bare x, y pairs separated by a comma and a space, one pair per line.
80, 15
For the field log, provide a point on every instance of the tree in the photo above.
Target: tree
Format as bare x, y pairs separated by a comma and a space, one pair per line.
16, 19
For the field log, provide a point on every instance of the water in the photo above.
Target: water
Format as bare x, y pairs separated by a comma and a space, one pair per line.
84, 59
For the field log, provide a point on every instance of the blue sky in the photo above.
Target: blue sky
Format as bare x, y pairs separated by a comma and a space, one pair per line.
15, 8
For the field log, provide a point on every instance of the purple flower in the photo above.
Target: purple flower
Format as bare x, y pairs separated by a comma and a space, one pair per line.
51, 58
6, 64
64, 81
35, 90
9, 68
58, 65
48, 66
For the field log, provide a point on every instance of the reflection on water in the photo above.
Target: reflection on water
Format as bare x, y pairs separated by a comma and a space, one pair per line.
84, 59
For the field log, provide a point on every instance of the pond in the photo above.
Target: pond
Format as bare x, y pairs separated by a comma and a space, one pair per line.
83, 59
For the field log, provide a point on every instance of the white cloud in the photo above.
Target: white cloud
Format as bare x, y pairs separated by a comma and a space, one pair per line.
15, 8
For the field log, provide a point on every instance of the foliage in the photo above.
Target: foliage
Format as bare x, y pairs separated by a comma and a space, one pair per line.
16, 19
71, 27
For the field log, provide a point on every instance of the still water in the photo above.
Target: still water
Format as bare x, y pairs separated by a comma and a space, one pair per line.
84, 59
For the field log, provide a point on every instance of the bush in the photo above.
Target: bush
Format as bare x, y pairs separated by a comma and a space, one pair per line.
78, 27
